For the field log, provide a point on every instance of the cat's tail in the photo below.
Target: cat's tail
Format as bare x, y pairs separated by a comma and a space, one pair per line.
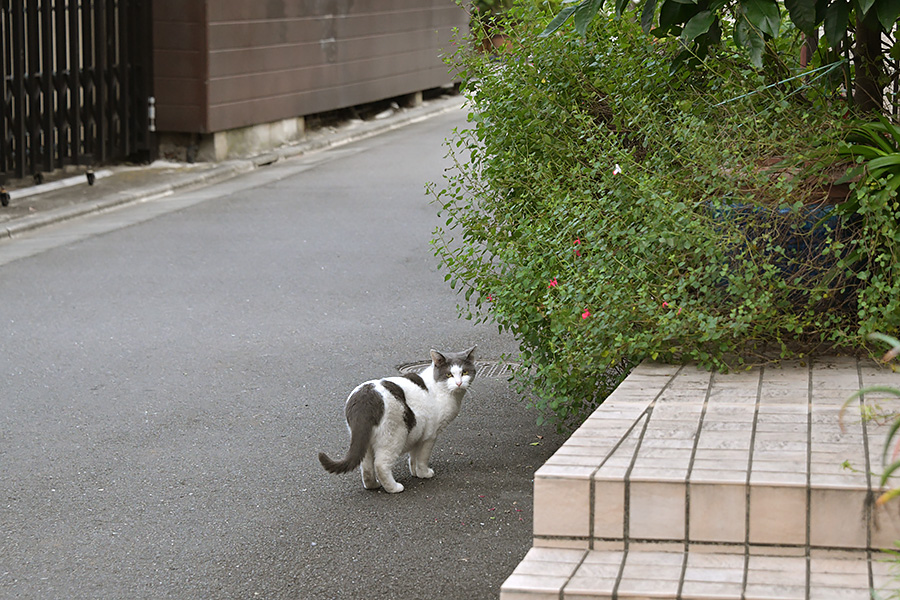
338, 467
358, 446
364, 410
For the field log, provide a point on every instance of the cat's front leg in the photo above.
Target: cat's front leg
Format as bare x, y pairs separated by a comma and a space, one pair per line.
418, 460
415, 468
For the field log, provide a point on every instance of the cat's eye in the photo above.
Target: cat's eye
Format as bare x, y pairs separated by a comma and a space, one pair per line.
449, 375
465, 372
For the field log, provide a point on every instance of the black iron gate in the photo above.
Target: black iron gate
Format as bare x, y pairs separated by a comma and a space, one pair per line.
76, 84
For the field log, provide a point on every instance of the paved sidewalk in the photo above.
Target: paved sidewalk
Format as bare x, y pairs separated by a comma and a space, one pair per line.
70, 196
690, 484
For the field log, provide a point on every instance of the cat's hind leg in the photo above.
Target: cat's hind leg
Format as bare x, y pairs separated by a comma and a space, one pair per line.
385, 458
367, 468
386, 477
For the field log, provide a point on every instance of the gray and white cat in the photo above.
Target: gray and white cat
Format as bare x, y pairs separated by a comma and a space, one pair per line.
390, 416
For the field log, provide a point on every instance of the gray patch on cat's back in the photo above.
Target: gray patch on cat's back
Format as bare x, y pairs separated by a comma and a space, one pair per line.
365, 408
396, 391
416, 379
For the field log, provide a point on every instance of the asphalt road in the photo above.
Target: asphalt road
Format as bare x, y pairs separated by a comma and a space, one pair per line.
171, 369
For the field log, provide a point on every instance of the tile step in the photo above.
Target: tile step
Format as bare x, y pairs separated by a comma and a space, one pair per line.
699, 573
691, 484
758, 457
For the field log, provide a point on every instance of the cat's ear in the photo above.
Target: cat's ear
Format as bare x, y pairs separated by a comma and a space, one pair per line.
438, 358
470, 353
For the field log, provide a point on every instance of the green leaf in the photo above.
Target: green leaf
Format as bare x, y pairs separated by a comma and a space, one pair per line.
886, 497
559, 19
893, 184
584, 14
863, 150
873, 389
698, 25
712, 37
887, 339
889, 471
887, 12
888, 438
890, 129
865, 5
764, 15
685, 58
647, 15
891, 160
672, 14
837, 16
748, 37
802, 14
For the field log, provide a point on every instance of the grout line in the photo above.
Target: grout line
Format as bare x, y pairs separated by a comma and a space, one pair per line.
769, 546
592, 482
687, 486
626, 520
809, 405
592, 492
648, 413
562, 588
613, 450
762, 372
870, 495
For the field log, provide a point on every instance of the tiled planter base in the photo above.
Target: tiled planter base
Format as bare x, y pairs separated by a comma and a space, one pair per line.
690, 484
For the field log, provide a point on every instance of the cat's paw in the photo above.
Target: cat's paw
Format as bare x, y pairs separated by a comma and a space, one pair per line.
395, 489
370, 482
426, 473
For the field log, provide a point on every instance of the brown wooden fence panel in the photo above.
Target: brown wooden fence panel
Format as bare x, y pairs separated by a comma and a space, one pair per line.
224, 64
76, 83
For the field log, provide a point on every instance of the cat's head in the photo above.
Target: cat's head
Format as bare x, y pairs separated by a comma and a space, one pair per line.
454, 370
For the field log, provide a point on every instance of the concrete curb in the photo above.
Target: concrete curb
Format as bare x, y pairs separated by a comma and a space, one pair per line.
228, 169
216, 175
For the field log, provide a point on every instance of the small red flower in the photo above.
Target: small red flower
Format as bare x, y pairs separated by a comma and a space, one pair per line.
665, 305
490, 298
577, 242
552, 283
585, 314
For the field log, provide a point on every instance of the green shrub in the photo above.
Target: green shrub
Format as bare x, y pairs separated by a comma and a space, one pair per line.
606, 211
876, 250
